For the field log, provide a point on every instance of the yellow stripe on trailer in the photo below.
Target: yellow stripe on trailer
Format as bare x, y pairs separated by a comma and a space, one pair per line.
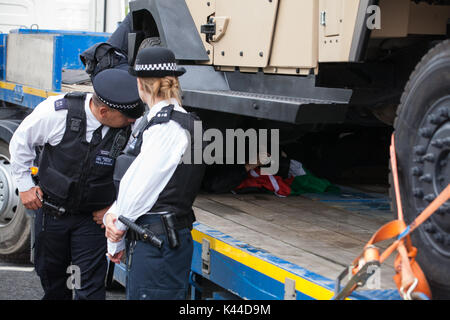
302, 285
39, 92
7, 85
28, 90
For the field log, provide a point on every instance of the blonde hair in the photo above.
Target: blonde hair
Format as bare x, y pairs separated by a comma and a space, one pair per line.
167, 87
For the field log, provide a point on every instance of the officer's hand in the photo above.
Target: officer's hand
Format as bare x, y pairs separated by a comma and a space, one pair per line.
98, 216
30, 200
116, 257
112, 233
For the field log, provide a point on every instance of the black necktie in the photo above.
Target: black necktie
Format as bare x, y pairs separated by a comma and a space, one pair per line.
97, 136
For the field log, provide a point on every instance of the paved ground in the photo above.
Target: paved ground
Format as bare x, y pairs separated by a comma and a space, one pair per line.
20, 282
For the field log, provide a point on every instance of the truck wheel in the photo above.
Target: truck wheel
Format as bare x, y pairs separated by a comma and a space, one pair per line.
14, 222
422, 139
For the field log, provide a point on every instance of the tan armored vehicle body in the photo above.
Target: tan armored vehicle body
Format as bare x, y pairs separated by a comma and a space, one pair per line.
293, 37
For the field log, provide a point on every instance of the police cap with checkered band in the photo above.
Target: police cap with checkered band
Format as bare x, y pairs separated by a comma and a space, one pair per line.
117, 89
156, 62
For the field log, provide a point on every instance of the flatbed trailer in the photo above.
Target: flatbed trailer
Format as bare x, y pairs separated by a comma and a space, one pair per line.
256, 246
263, 247
276, 245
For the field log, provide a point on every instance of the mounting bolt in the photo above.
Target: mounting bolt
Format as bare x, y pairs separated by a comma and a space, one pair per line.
429, 157
429, 227
426, 132
418, 193
439, 237
438, 143
445, 208
446, 141
444, 112
420, 150
416, 171
426, 178
434, 119
429, 197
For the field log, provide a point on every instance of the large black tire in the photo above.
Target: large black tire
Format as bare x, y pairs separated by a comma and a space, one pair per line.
422, 139
15, 223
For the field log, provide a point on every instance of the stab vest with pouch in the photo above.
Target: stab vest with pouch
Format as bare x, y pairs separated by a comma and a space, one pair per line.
179, 194
75, 174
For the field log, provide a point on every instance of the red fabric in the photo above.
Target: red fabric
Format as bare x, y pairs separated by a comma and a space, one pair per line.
276, 184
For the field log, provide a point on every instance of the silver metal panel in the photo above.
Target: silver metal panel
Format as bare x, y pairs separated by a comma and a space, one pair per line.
361, 32
203, 78
289, 290
30, 60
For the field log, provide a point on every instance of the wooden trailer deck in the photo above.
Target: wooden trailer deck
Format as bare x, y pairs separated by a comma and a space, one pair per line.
311, 234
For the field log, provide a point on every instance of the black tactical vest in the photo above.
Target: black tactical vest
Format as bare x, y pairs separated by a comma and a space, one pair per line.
180, 192
76, 174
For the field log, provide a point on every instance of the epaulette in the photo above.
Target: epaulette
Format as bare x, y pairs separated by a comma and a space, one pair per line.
163, 116
64, 104
61, 104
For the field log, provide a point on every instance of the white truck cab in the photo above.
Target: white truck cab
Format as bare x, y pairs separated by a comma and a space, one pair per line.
83, 15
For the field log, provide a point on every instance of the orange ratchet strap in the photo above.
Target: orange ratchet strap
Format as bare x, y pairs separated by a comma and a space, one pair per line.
409, 278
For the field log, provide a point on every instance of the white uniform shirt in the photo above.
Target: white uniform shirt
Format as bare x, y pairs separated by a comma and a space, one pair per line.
162, 149
43, 125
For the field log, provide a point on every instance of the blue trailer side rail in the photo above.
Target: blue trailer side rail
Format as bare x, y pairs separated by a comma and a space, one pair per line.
22, 95
3, 38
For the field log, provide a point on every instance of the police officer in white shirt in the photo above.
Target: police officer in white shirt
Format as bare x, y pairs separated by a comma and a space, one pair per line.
158, 189
81, 134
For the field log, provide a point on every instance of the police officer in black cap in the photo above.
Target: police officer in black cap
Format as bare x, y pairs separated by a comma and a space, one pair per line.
81, 134
159, 187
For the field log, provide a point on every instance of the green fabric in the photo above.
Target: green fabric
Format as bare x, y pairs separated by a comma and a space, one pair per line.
309, 183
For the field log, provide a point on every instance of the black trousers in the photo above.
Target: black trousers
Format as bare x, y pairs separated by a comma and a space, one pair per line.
159, 274
70, 255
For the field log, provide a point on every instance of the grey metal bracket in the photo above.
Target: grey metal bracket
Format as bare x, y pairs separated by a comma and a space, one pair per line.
206, 256
289, 289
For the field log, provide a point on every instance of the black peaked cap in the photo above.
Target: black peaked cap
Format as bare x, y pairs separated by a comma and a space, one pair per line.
156, 62
117, 89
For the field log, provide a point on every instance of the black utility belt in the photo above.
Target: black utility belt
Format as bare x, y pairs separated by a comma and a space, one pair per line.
168, 224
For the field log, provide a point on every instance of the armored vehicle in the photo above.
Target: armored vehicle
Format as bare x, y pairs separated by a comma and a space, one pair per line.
329, 69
